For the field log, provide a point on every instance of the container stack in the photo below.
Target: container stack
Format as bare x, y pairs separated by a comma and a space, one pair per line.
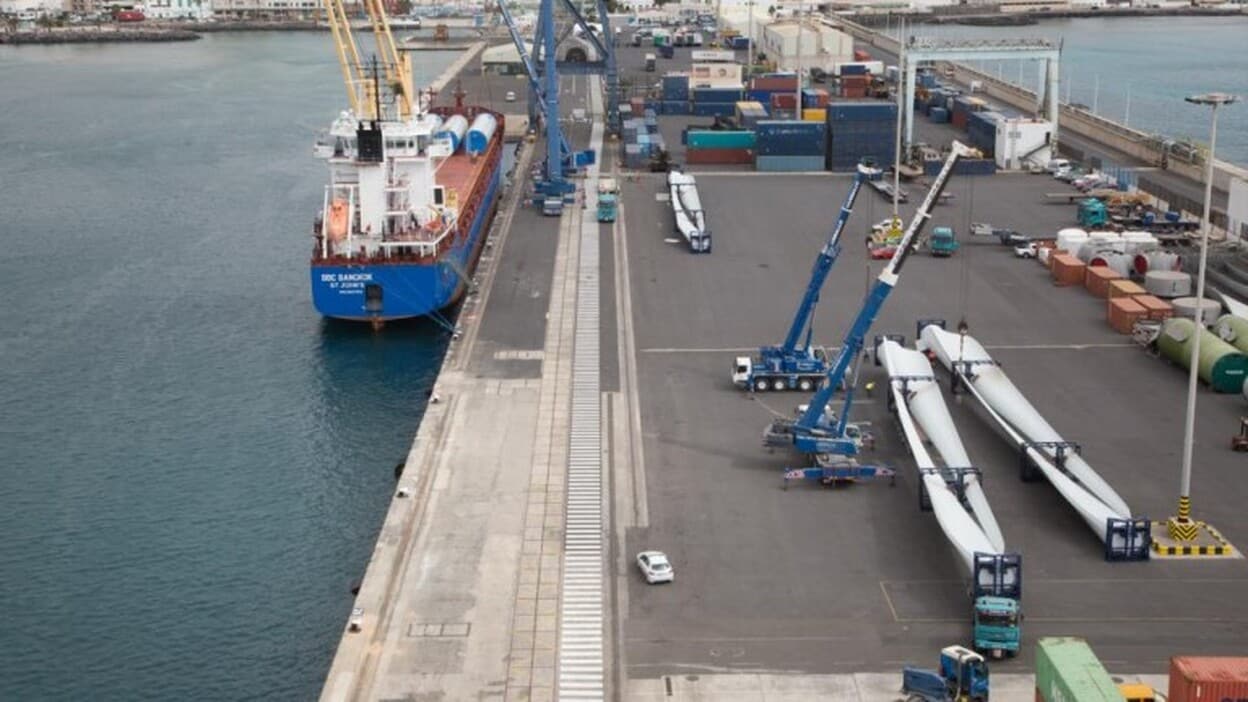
763, 87
858, 130
676, 94
715, 102
854, 87
981, 131
749, 113
790, 146
640, 139
719, 147
1193, 679
963, 107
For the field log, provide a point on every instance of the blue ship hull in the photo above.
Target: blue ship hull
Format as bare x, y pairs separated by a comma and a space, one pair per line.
403, 291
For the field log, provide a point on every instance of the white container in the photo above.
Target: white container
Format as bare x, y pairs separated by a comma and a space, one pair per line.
1071, 239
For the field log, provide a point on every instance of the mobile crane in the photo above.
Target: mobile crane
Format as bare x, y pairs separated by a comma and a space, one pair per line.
788, 366
818, 432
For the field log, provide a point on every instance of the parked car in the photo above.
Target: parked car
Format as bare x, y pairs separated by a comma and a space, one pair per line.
1027, 250
510, 96
1057, 164
655, 567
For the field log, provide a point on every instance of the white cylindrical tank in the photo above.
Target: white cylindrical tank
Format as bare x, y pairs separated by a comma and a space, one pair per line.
1166, 283
453, 129
480, 132
1071, 239
1209, 310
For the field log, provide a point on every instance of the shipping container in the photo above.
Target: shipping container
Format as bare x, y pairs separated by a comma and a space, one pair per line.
1208, 679
720, 139
862, 111
783, 101
714, 109
775, 84
732, 95
789, 163
676, 107
939, 115
791, 138
814, 97
1068, 671
815, 114
719, 156
1068, 270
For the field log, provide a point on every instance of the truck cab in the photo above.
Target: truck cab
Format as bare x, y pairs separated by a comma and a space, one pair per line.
943, 242
1093, 213
996, 626
651, 61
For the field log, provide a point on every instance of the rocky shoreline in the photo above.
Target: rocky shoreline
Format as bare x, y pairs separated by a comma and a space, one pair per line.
92, 35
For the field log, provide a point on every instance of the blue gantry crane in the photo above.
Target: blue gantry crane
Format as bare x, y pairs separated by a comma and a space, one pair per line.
543, 69
790, 366
817, 431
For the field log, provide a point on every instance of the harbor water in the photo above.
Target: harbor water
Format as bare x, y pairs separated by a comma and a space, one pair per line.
195, 465
1139, 70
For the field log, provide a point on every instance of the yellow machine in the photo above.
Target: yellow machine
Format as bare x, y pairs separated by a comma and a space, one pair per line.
888, 232
1137, 692
394, 68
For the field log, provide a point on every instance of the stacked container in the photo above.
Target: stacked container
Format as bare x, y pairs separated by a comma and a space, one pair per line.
676, 94
939, 115
639, 141
710, 102
749, 113
763, 87
814, 98
719, 147
858, 130
981, 131
790, 145
854, 86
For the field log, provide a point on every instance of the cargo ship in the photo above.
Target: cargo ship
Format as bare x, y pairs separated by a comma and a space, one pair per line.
406, 210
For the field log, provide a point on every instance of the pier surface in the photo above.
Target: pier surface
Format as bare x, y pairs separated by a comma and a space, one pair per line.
797, 594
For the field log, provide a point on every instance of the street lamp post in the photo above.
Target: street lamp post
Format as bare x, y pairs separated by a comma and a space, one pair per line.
1181, 527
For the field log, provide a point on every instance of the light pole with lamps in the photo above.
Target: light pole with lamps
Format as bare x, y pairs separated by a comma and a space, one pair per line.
1181, 527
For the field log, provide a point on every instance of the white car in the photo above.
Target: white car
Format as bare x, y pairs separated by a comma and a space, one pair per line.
655, 567
510, 96
1027, 250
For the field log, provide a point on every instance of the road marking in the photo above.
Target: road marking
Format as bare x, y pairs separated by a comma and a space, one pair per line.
990, 347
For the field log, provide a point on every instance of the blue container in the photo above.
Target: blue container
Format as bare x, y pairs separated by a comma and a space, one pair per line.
740, 42
862, 111
714, 109
760, 96
939, 115
675, 107
789, 163
853, 69
791, 138
720, 139
732, 95
675, 88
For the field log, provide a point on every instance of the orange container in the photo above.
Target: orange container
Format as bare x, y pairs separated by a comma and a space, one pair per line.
1124, 312
1055, 252
1125, 288
1207, 679
1067, 270
1155, 307
1097, 279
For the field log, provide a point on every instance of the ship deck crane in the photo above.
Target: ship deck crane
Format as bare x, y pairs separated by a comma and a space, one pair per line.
361, 82
543, 69
790, 366
817, 432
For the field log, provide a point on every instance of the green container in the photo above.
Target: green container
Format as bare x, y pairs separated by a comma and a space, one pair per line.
1233, 330
1221, 366
1068, 671
720, 140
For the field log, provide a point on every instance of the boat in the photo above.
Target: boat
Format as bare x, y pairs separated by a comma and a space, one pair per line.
406, 210
687, 209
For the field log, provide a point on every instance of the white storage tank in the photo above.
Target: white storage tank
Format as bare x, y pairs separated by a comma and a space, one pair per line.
454, 130
479, 133
1167, 283
1071, 239
1190, 307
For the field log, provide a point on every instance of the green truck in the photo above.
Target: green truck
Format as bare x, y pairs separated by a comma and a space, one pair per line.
608, 199
943, 242
1068, 671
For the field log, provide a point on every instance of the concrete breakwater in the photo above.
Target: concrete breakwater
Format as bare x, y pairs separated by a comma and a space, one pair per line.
96, 35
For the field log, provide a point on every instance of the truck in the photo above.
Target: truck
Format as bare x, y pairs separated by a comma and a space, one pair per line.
608, 199
962, 677
651, 60
943, 243
1096, 213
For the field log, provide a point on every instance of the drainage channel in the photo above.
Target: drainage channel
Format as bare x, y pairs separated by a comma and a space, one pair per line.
581, 618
